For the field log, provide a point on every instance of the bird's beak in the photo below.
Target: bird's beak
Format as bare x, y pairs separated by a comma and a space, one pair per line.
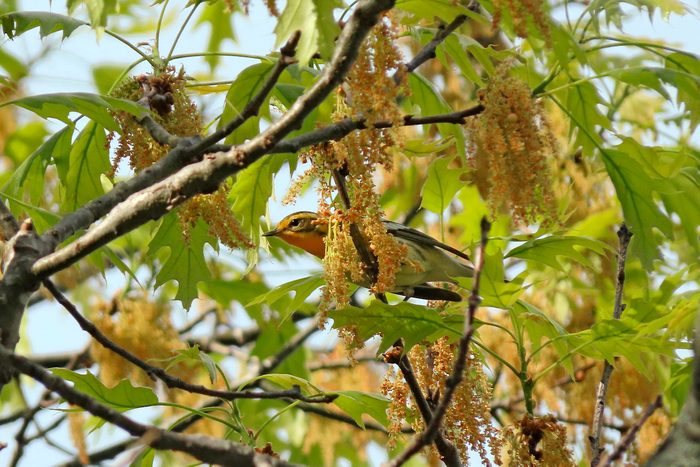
272, 233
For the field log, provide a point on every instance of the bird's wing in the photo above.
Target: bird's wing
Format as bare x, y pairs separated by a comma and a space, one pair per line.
410, 234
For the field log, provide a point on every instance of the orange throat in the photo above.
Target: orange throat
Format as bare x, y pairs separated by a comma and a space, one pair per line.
313, 244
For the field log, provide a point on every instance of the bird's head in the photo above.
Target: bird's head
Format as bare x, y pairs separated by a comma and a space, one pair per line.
303, 229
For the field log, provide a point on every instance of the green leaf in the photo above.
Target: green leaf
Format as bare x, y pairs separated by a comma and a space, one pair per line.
315, 20
469, 220
275, 336
550, 250
14, 67
494, 290
98, 11
563, 44
410, 322
686, 79
635, 187
105, 77
327, 26
88, 161
683, 188
356, 403
649, 77
446, 10
118, 262
424, 95
441, 185
97, 108
186, 263
583, 104
302, 288
456, 48
17, 23
678, 386
193, 354
252, 189
218, 19
124, 396
247, 84
286, 381
299, 15
611, 338
42, 218
238, 290
538, 325
30, 173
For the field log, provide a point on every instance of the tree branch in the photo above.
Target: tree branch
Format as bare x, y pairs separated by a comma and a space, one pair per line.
252, 108
627, 440
428, 51
267, 366
433, 425
624, 236
206, 175
204, 448
174, 382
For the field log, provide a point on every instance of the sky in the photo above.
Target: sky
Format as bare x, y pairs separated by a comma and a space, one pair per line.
69, 70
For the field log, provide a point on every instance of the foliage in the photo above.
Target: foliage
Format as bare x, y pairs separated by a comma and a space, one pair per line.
573, 126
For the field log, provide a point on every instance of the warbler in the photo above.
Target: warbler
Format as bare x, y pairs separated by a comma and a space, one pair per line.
307, 230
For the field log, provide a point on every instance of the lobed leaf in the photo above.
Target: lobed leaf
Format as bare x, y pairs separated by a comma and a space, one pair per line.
18, 22
410, 322
186, 263
441, 185
88, 161
301, 288
124, 396
94, 106
550, 250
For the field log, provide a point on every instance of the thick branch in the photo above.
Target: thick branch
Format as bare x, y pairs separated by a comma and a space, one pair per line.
624, 236
205, 176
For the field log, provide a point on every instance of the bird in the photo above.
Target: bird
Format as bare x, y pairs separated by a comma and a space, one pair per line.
307, 230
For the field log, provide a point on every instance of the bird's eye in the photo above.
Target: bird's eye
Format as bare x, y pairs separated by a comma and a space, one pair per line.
295, 222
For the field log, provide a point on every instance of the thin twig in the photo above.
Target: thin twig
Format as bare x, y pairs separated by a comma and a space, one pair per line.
252, 108
433, 427
204, 448
428, 51
624, 236
294, 343
627, 440
370, 266
170, 380
341, 128
343, 364
42, 432
447, 450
